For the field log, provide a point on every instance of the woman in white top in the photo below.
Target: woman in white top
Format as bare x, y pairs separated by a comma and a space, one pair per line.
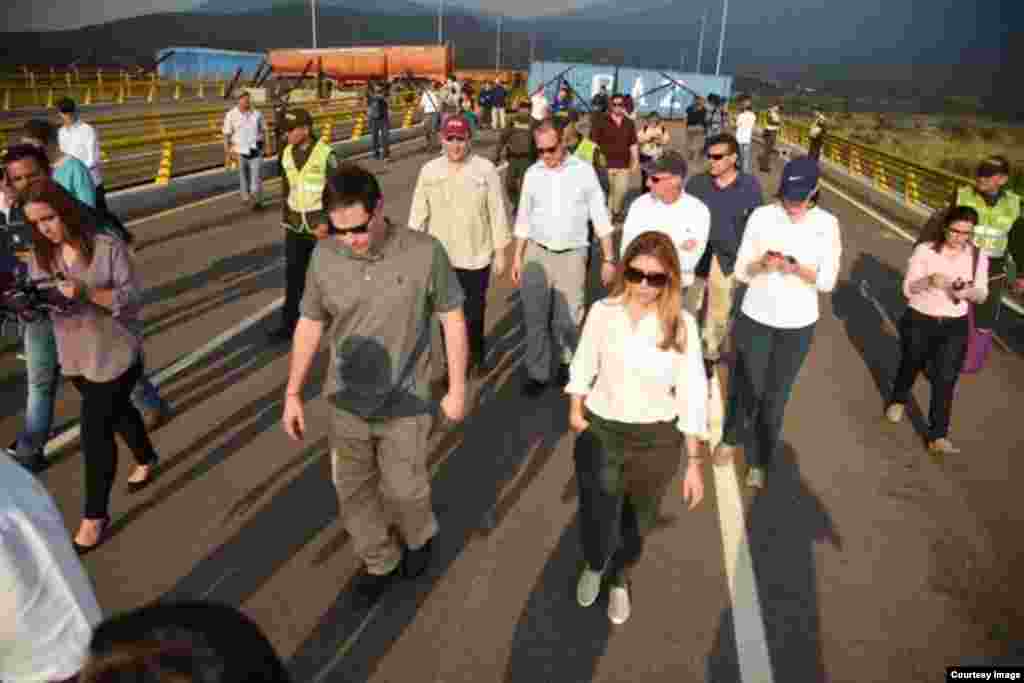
789, 254
639, 405
653, 138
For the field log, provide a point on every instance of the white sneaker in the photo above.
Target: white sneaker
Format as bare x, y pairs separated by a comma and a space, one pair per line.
588, 588
755, 477
894, 413
618, 605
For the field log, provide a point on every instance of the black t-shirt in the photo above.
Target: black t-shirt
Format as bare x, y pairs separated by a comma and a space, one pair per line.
695, 115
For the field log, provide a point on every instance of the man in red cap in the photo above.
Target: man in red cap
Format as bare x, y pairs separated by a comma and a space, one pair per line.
460, 201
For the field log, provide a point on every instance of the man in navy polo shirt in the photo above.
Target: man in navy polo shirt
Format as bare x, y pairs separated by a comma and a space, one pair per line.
731, 196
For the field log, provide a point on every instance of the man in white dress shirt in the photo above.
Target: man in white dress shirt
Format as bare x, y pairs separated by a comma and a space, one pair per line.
78, 139
666, 208
560, 193
244, 135
47, 605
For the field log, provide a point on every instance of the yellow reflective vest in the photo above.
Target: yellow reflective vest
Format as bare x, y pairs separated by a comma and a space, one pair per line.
585, 150
992, 233
306, 186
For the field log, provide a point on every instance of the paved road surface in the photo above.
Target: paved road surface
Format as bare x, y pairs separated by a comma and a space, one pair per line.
873, 562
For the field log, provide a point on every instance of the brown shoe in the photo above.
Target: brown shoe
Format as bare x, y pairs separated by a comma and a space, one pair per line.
724, 454
942, 446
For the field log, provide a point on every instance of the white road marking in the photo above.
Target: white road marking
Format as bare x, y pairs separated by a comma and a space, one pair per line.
748, 623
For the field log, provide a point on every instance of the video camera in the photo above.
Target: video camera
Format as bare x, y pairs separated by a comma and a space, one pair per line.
25, 299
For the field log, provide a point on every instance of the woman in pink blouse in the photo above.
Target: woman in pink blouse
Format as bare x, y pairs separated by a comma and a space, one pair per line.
98, 343
945, 273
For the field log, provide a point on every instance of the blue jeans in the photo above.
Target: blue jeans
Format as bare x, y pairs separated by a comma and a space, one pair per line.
43, 378
746, 159
250, 178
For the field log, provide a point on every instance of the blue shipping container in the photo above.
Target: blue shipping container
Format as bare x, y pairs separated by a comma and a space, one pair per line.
192, 63
587, 79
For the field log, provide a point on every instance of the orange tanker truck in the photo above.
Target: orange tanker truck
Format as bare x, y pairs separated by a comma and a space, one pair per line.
361, 64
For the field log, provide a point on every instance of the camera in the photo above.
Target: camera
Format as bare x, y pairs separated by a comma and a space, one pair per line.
25, 299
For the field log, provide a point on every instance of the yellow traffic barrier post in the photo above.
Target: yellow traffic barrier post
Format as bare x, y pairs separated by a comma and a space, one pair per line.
7, 99
408, 118
880, 178
201, 94
163, 176
49, 98
911, 189
67, 77
120, 94
357, 130
327, 131
177, 90
88, 96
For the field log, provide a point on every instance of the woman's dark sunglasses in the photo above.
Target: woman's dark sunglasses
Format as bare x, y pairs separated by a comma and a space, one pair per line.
716, 157
635, 276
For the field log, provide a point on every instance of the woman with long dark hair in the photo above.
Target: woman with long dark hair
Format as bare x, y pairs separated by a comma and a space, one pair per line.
98, 342
639, 406
946, 273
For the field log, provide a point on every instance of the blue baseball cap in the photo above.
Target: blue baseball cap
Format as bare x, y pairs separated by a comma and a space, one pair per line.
799, 179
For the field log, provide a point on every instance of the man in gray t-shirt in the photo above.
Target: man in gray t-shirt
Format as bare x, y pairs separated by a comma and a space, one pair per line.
374, 287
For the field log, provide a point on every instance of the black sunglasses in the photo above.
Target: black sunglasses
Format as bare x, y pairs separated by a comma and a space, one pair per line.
716, 157
635, 276
354, 230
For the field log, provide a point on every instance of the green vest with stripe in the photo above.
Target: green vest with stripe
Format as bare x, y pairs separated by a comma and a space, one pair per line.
585, 150
992, 232
306, 186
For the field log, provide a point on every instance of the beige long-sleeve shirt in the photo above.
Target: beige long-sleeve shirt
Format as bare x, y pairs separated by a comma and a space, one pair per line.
464, 207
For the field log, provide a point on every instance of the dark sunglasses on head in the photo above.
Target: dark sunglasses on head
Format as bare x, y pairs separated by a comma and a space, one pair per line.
635, 276
547, 150
354, 230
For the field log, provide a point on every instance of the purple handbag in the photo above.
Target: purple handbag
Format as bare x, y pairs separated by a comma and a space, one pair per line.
979, 344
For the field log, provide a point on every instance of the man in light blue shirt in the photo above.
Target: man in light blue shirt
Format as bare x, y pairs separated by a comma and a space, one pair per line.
560, 194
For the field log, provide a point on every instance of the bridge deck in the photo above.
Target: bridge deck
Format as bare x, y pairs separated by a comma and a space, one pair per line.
872, 561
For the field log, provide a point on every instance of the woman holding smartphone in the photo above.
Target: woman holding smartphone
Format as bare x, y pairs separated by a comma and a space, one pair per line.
639, 406
99, 343
946, 273
789, 254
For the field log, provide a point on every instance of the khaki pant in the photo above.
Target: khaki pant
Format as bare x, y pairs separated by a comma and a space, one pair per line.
720, 288
552, 294
498, 118
693, 141
618, 186
380, 472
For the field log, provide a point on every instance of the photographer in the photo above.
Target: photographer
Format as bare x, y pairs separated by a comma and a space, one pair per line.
99, 343
946, 272
23, 165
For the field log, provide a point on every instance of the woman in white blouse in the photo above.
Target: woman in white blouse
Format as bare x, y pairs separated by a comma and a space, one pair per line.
789, 254
639, 397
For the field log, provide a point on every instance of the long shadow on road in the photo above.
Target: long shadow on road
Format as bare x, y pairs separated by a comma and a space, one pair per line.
784, 522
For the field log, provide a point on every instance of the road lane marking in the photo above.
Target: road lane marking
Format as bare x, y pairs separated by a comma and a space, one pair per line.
748, 623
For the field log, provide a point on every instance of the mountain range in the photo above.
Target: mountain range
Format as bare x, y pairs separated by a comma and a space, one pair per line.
872, 46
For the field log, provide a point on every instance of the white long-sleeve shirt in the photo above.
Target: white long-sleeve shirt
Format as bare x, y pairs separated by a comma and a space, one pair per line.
684, 219
626, 378
775, 298
245, 129
555, 204
80, 140
47, 605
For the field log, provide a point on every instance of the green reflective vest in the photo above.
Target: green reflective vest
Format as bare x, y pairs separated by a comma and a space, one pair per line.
306, 187
992, 233
585, 150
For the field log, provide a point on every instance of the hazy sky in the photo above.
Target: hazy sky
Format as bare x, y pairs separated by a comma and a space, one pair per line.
24, 15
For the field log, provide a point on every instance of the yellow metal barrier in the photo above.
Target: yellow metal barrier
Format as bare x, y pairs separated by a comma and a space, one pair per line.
928, 187
163, 176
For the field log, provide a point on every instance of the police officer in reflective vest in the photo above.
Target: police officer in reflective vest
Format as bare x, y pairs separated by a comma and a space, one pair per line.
999, 233
305, 164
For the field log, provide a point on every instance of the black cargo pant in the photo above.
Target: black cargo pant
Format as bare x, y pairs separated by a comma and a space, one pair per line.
380, 134
474, 285
298, 250
622, 472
